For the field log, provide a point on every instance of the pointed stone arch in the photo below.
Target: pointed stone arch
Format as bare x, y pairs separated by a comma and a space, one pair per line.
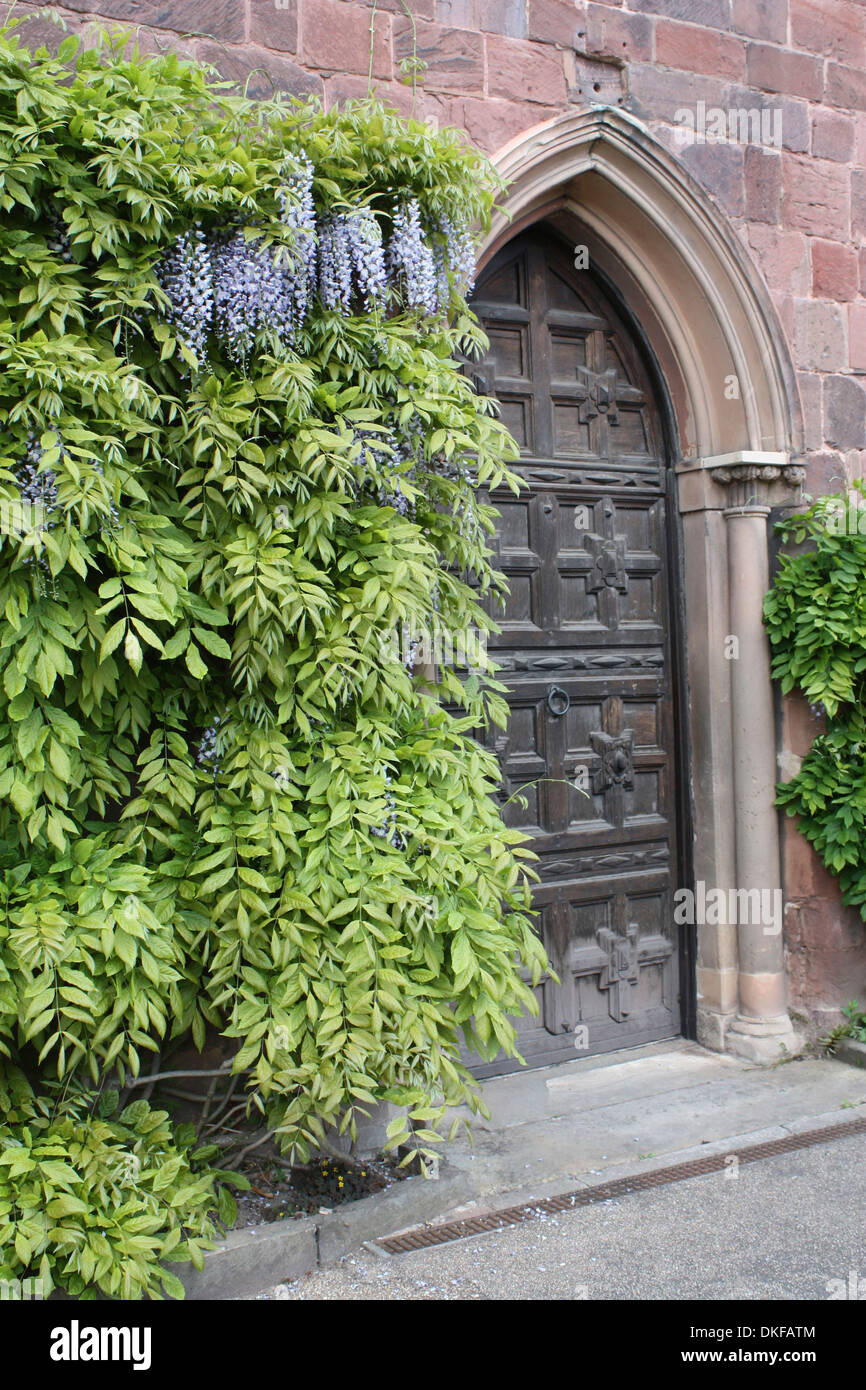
722, 363
706, 311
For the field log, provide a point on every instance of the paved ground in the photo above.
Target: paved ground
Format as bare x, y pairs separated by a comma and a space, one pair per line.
563, 1125
784, 1228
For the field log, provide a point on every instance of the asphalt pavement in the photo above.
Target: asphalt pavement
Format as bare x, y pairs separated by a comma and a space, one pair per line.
787, 1227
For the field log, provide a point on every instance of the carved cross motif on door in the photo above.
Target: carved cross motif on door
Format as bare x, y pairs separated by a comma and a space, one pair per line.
600, 398
608, 551
619, 974
616, 760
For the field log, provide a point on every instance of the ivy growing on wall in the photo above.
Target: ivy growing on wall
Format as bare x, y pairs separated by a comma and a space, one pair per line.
237, 456
816, 618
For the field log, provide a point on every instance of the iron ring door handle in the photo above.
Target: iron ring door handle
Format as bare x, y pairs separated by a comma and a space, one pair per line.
558, 700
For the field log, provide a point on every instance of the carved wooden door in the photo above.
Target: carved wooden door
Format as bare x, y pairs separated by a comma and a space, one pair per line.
585, 650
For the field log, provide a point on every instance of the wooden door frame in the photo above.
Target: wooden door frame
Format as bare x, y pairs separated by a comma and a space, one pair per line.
682, 280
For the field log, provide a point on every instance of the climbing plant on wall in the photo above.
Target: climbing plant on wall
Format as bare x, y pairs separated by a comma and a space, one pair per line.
816, 619
237, 457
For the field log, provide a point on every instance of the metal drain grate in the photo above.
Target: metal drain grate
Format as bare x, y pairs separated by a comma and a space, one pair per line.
423, 1236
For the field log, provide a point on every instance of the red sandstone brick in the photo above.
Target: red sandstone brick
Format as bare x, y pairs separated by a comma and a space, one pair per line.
454, 57
835, 272
613, 34
491, 123
761, 19
862, 257
421, 9
858, 202
658, 93
778, 70
844, 412
832, 136
556, 21
783, 257
260, 72
825, 472
158, 41
857, 337
689, 47
832, 27
846, 87
336, 37
275, 28
588, 79
720, 169
763, 175
811, 400
531, 71
796, 126
820, 336
348, 86
816, 197
711, 14
487, 16
219, 19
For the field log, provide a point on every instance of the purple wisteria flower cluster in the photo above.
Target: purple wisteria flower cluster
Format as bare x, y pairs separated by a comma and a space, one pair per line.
235, 286
352, 257
298, 215
231, 284
253, 292
210, 746
186, 275
412, 262
454, 255
37, 489
58, 242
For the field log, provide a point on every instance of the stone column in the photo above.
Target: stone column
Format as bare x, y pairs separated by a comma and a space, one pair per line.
705, 576
762, 1030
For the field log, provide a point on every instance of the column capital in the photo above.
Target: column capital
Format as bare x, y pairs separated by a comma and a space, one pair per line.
753, 480
743, 478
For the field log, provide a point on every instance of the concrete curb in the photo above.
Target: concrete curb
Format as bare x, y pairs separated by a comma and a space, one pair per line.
251, 1260
850, 1051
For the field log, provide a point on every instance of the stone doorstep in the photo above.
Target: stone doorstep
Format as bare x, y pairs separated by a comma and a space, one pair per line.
253, 1260
851, 1051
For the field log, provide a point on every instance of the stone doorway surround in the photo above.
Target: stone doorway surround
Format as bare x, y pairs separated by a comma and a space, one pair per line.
735, 438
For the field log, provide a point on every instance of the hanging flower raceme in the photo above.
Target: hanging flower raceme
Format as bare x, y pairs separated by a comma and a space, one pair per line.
253, 293
388, 830
411, 261
352, 259
186, 275
210, 748
455, 257
37, 489
299, 216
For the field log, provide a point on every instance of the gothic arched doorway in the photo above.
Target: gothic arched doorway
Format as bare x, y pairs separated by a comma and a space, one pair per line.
587, 651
